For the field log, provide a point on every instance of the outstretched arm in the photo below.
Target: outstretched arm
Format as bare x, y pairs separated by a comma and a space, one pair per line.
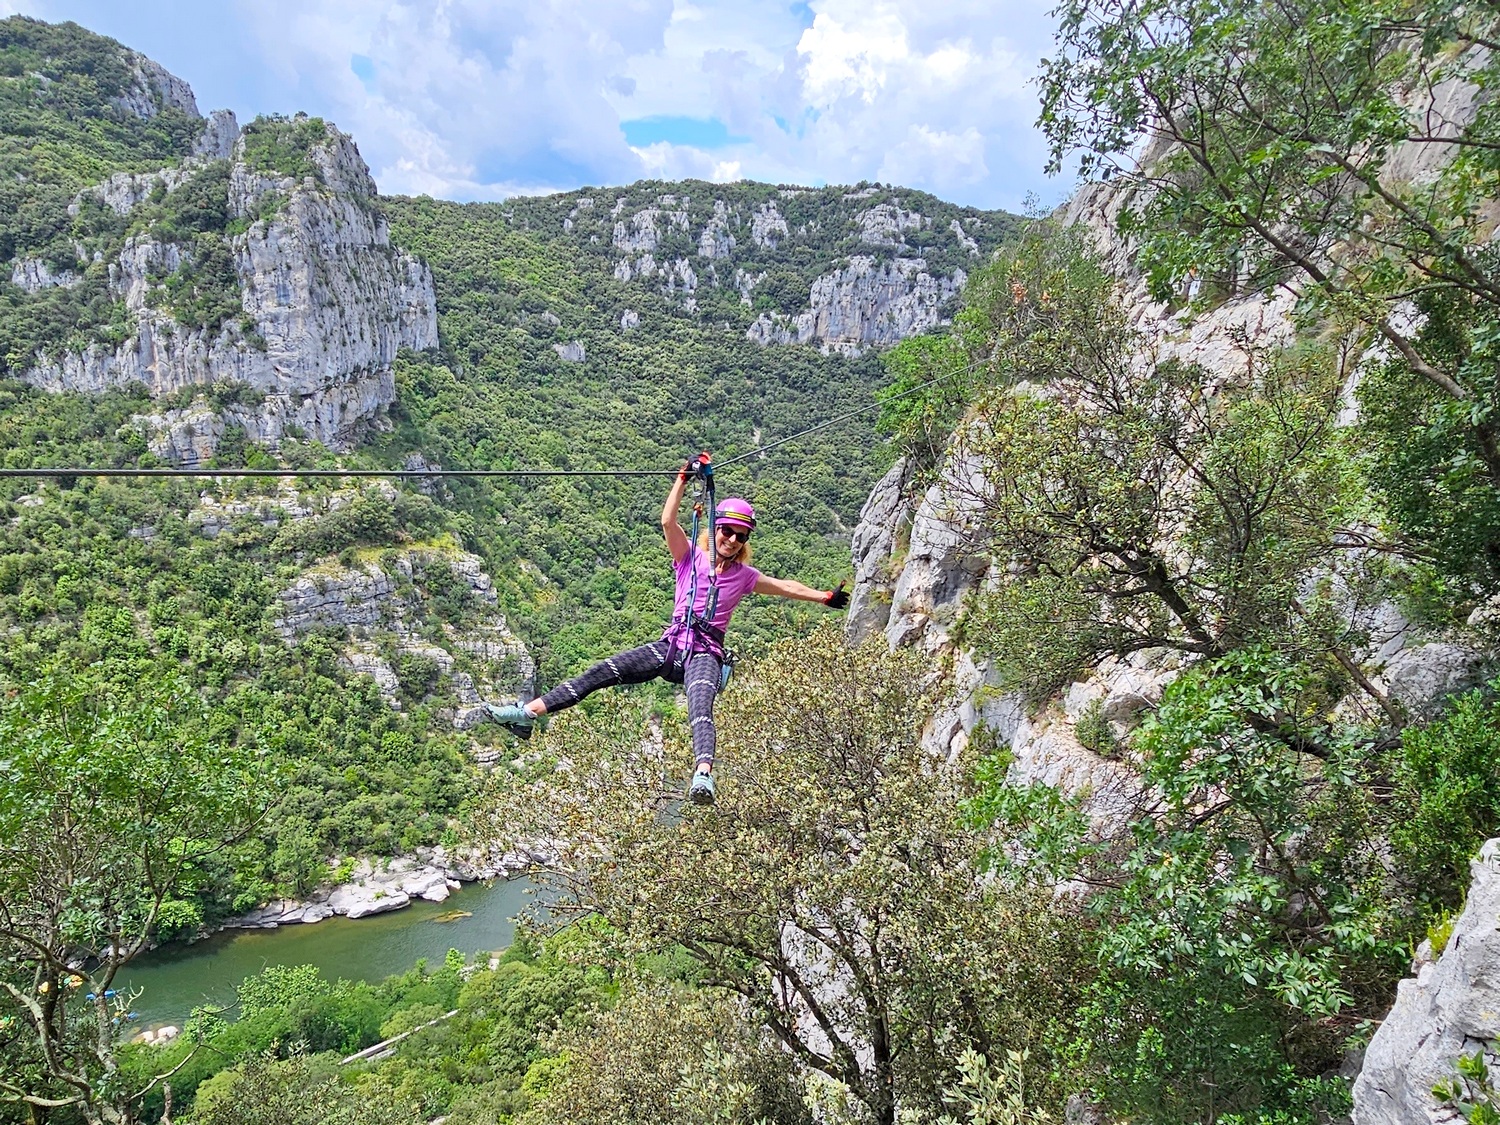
677, 540
790, 588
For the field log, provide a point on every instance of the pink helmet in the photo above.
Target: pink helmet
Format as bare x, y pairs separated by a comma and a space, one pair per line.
735, 511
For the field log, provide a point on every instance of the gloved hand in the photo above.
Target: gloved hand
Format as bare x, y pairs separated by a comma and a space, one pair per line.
836, 598
692, 467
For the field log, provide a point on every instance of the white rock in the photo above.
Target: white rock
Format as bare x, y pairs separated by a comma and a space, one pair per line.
1049, 754
1452, 1008
941, 566
885, 223
767, 225
1422, 678
217, 139
866, 304
329, 302
34, 275
356, 901
715, 241
873, 549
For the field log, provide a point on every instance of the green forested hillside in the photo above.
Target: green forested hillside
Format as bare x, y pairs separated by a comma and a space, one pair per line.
583, 561
118, 581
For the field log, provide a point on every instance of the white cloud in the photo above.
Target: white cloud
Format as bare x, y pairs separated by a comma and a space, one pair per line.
479, 98
856, 58
470, 98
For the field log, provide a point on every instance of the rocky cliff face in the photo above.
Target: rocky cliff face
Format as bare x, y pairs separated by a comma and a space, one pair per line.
867, 304
325, 301
916, 559
869, 267
384, 605
1451, 1007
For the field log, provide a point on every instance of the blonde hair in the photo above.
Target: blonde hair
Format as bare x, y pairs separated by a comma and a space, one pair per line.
745, 549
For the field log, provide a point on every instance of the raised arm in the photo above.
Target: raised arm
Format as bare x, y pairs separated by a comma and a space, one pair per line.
677, 540
790, 588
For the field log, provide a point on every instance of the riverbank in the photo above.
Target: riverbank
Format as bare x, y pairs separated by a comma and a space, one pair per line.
380, 886
175, 978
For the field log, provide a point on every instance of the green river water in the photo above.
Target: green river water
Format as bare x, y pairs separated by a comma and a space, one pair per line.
177, 978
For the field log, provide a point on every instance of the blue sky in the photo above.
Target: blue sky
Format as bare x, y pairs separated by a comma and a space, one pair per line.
479, 99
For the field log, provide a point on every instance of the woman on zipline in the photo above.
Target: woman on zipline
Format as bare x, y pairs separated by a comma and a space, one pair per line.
691, 650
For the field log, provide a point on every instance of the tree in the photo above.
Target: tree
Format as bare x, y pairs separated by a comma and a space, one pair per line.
1347, 151
108, 805
1135, 502
667, 1053
835, 886
302, 1090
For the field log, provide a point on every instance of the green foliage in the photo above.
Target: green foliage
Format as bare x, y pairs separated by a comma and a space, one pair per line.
1245, 916
78, 587
1420, 456
1082, 482
1446, 781
1278, 134
112, 803
283, 145
60, 131
667, 1053
988, 1095
303, 1090
1472, 1093
579, 564
835, 854
1094, 731
1440, 931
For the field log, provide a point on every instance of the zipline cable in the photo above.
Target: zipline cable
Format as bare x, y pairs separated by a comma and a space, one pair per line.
423, 474
416, 474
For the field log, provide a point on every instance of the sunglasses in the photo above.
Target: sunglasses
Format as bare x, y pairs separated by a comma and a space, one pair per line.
739, 535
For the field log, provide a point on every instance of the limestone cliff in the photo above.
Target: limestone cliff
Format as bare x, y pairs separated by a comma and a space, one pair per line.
1450, 1007
831, 268
324, 301
384, 603
867, 304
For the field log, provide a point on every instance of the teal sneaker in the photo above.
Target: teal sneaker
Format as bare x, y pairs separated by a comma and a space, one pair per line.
513, 717
701, 789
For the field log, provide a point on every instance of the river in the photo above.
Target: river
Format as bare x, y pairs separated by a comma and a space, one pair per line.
177, 978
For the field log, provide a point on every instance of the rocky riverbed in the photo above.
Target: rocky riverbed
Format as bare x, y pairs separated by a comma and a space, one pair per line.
377, 886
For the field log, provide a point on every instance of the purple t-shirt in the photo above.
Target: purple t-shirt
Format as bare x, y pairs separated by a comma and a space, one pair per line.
734, 583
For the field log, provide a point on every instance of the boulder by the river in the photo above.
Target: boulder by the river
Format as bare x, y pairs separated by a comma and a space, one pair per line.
362, 900
375, 887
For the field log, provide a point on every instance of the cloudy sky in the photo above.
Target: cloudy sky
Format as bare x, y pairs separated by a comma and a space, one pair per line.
478, 99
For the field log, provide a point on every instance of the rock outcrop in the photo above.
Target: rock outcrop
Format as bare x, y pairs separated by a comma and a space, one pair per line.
885, 271
384, 610
883, 521
1450, 1008
153, 89
869, 303
326, 303
376, 887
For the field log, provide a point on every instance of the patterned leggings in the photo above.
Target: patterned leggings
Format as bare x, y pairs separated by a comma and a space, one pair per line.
647, 663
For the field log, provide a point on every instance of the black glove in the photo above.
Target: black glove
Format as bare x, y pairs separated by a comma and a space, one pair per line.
836, 598
688, 471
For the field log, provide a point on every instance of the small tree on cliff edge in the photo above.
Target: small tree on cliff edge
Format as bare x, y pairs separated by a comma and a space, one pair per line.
106, 808
835, 886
